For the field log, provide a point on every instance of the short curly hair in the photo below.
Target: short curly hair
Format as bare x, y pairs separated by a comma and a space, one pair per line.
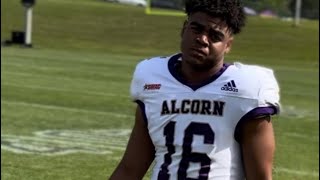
231, 11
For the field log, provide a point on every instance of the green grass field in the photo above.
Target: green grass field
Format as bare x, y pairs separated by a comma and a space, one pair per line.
65, 106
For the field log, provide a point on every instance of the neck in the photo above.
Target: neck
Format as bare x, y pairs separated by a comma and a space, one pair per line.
197, 77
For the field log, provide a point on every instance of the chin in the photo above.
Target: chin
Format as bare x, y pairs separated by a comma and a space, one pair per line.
196, 59
199, 65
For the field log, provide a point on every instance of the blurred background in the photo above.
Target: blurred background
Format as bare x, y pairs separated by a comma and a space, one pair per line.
65, 106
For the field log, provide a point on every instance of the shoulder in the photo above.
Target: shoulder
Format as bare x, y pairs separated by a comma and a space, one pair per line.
260, 72
150, 64
148, 72
253, 80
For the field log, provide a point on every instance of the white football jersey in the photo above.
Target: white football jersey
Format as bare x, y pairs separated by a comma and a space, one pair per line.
194, 128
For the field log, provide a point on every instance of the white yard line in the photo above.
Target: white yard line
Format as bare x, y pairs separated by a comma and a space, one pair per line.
70, 69
19, 151
21, 103
34, 141
302, 136
72, 79
66, 90
297, 172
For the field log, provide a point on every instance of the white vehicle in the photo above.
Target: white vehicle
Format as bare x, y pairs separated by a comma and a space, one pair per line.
142, 3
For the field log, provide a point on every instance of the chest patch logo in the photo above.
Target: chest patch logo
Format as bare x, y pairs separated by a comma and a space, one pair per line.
151, 86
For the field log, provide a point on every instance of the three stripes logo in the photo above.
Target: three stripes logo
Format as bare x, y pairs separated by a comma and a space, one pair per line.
230, 86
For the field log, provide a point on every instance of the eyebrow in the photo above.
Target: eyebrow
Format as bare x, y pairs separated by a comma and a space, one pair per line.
197, 24
220, 33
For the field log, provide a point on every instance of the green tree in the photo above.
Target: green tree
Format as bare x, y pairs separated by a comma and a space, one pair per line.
309, 8
278, 6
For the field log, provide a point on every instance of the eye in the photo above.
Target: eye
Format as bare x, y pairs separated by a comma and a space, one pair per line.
196, 29
216, 36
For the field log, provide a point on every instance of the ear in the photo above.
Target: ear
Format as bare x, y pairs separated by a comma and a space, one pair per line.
229, 45
183, 27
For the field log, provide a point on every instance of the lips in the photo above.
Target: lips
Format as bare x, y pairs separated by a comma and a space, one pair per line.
199, 51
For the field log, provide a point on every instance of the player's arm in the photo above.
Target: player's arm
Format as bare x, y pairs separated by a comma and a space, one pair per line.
258, 146
139, 153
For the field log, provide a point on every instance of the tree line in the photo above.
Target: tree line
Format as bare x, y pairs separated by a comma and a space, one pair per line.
286, 8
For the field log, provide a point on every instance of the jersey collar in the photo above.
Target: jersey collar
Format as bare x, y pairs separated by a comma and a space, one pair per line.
173, 62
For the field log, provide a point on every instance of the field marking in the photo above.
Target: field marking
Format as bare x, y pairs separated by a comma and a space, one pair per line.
47, 140
72, 69
290, 111
315, 95
72, 79
55, 107
65, 90
296, 172
99, 58
295, 69
303, 136
103, 141
36, 143
59, 142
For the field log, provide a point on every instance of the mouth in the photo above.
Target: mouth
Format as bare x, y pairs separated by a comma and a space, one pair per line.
198, 52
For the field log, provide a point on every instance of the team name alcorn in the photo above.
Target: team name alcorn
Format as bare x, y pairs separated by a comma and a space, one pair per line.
204, 107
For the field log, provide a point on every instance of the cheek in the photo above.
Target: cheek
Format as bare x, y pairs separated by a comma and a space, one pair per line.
218, 48
186, 38
186, 42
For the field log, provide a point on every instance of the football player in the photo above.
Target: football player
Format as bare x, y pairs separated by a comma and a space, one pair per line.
198, 117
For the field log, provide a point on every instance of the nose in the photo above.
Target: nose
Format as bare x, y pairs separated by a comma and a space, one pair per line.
203, 40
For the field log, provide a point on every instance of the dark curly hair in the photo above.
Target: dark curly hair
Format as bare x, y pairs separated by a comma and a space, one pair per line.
231, 11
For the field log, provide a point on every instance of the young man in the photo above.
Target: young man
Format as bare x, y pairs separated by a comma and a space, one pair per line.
198, 117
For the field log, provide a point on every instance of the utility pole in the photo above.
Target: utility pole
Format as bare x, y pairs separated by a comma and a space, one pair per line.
28, 21
297, 13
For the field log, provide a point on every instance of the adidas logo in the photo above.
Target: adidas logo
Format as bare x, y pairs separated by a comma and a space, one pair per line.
230, 86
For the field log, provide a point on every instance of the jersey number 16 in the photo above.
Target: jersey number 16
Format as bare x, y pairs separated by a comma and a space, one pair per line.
194, 128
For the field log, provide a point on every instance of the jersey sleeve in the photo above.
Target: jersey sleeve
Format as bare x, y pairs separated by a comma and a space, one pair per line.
137, 82
268, 100
268, 95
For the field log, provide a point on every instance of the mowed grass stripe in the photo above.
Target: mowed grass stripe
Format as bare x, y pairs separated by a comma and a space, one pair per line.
69, 58
28, 119
64, 89
61, 66
301, 112
74, 100
285, 77
61, 81
310, 88
72, 59
52, 56
90, 62
293, 75
89, 73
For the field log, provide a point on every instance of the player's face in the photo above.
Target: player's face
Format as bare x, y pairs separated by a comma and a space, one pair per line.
205, 40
